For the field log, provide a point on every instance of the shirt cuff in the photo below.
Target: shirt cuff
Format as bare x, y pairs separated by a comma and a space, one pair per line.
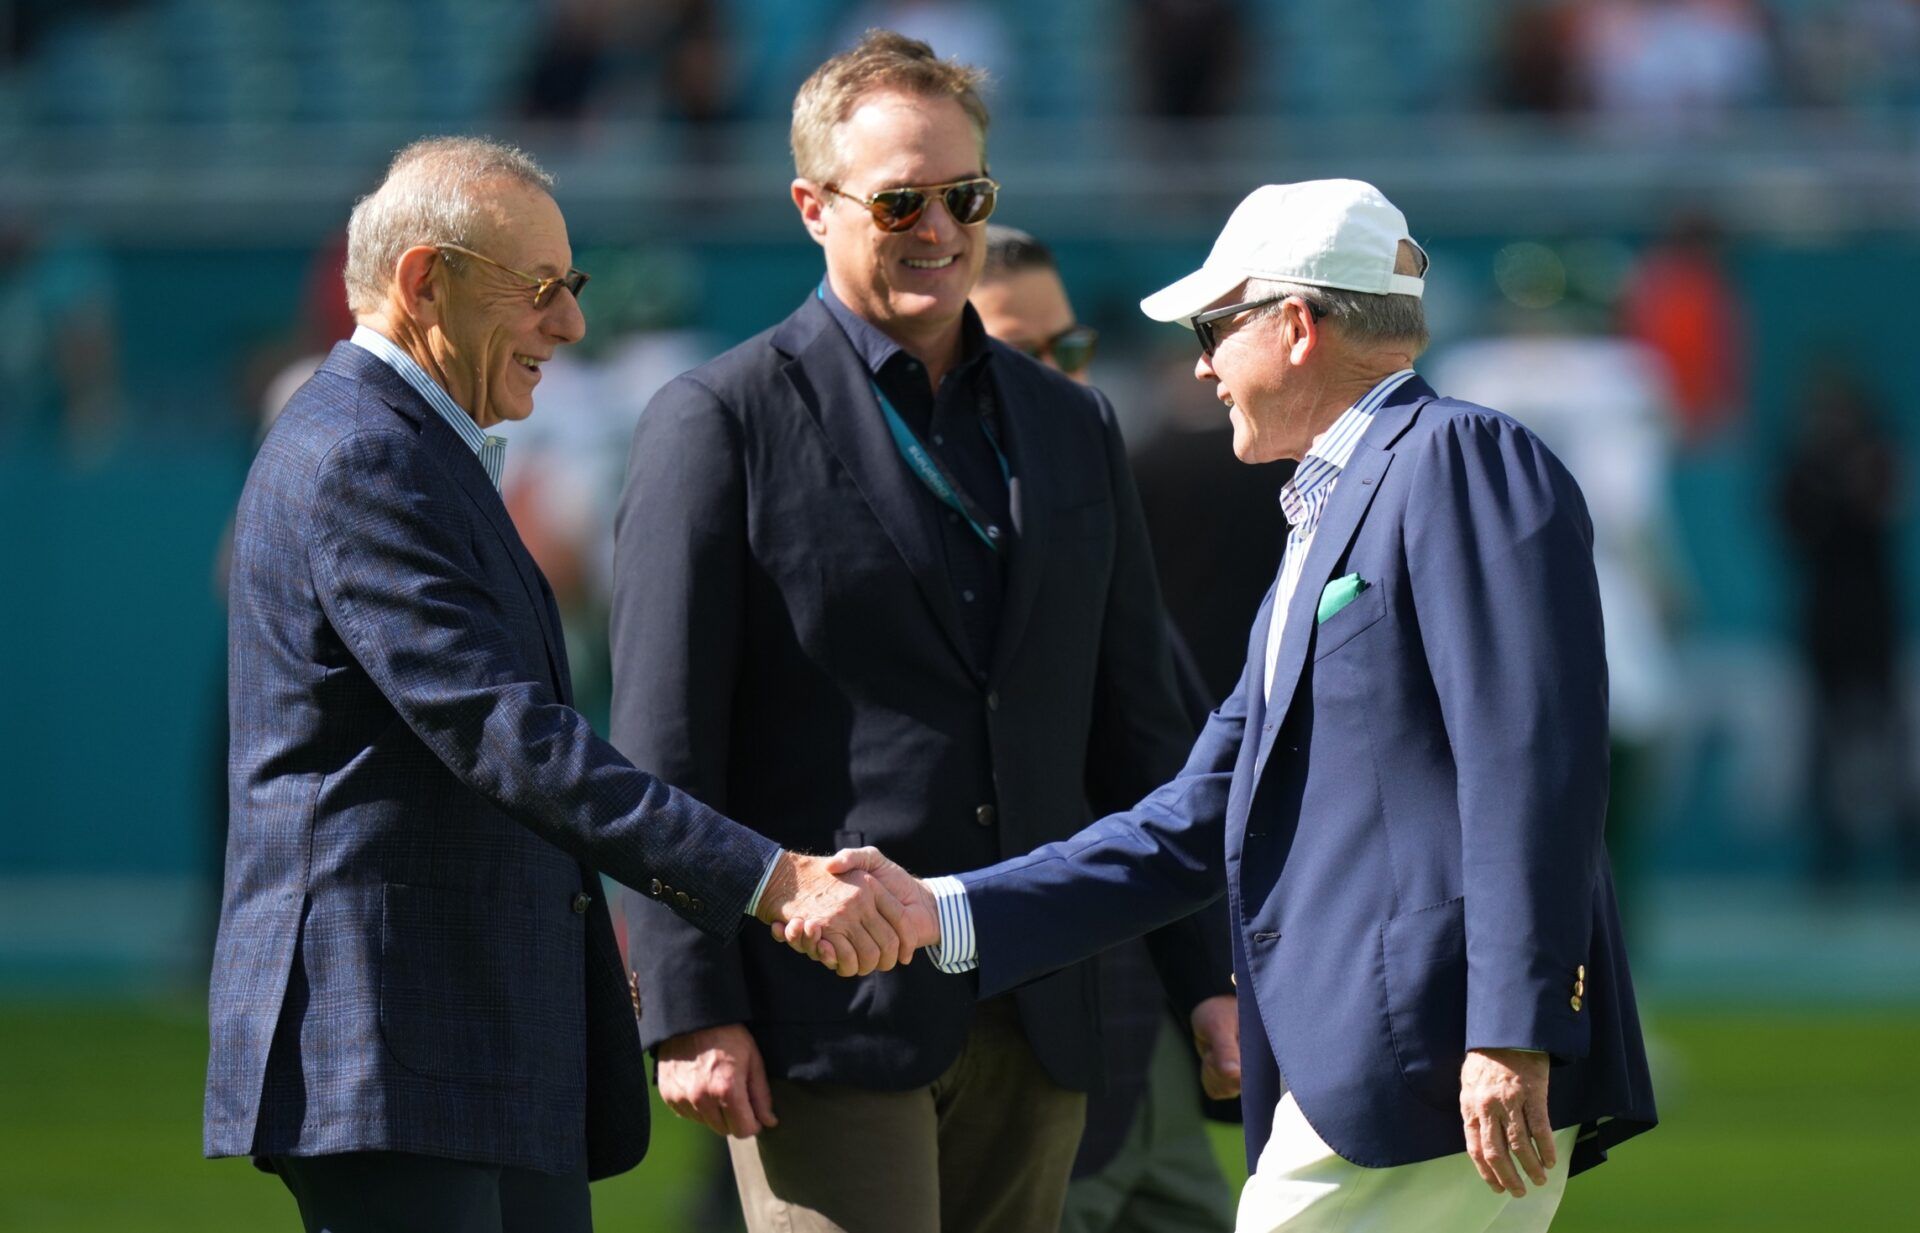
955, 953
753, 904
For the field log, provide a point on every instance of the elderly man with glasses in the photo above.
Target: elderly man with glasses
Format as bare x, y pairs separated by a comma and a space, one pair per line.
418, 1016
880, 579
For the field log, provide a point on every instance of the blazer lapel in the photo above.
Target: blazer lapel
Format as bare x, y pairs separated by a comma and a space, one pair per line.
466, 470
829, 379
1352, 496
445, 447
1027, 493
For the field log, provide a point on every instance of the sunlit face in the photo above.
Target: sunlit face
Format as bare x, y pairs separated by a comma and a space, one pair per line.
914, 281
1255, 368
491, 340
1025, 309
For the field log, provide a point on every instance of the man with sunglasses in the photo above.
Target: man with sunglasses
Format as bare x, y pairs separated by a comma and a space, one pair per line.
1403, 798
880, 579
418, 1016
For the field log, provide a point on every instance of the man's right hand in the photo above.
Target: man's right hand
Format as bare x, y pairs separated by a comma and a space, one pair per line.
918, 922
847, 904
715, 1076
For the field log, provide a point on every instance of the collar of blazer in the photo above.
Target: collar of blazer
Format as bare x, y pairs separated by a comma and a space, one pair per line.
830, 379
1346, 509
457, 458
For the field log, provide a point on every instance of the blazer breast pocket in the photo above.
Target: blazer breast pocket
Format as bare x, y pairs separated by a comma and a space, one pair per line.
1345, 625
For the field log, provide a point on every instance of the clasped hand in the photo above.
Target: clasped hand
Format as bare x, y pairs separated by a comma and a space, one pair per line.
846, 910
828, 928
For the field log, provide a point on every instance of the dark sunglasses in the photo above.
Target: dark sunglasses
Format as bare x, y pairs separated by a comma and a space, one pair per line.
1072, 348
1205, 326
970, 201
543, 288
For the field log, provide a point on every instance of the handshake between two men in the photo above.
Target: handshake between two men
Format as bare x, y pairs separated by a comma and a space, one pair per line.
856, 911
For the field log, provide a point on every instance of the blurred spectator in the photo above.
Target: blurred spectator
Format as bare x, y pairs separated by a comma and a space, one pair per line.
1841, 496
1683, 302
969, 33
1214, 521
670, 59
695, 61
1186, 56
24, 22
1535, 64
60, 343
1601, 405
1863, 53
1673, 63
570, 62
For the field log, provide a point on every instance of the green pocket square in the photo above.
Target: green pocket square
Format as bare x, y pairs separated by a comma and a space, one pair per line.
1339, 593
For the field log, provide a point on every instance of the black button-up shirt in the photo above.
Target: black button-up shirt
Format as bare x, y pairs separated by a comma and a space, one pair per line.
953, 424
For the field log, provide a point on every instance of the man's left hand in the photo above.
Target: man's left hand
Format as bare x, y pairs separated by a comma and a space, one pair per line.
1216, 1038
1503, 1105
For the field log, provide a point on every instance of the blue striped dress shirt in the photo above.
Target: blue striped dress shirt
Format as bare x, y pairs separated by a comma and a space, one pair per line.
491, 450
1305, 497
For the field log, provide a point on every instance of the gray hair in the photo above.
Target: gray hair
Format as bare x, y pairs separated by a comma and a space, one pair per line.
1400, 320
430, 196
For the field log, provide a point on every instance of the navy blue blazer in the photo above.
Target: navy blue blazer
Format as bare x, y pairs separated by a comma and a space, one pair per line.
1409, 834
788, 645
413, 953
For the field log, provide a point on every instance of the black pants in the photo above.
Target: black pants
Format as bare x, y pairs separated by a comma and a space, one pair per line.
397, 1192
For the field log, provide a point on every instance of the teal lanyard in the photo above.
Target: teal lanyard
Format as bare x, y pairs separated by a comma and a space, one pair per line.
923, 465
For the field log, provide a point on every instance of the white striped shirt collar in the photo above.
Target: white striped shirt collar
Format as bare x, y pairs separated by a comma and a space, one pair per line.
1332, 450
490, 450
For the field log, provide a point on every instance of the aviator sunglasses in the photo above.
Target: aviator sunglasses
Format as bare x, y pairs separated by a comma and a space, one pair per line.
1206, 326
543, 288
1072, 348
897, 209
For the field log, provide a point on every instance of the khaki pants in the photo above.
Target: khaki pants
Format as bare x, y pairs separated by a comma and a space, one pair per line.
987, 1148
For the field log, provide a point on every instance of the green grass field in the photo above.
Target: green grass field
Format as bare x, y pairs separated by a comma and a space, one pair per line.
1791, 1120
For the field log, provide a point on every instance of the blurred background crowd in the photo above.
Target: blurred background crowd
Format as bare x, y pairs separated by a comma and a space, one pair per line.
1673, 236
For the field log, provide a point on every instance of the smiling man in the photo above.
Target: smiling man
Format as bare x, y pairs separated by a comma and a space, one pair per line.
880, 579
418, 1016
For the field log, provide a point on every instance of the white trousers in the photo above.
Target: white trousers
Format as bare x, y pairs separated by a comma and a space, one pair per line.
1302, 1186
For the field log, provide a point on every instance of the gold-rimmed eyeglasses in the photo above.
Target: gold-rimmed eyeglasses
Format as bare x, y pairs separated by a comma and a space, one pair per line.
543, 288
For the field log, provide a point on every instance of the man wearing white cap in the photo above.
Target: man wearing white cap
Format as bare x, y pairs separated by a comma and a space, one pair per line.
1402, 799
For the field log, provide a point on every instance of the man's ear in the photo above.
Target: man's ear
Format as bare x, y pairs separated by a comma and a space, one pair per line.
419, 283
811, 200
1303, 333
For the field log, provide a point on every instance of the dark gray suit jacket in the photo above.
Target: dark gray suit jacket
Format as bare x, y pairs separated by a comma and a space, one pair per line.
413, 953
787, 644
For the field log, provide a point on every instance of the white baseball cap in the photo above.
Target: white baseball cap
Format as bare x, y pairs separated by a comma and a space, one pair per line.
1324, 233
